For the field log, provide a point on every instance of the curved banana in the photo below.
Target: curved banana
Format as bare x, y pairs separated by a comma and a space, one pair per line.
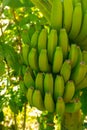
58, 87
37, 100
44, 65
69, 91
77, 16
39, 82
66, 70
82, 84
48, 102
25, 51
52, 43
60, 106
68, 13
28, 79
83, 31
29, 94
42, 40
56, 14
33, 59
64, 42
73, 55
48, 83
34, 39
73, 106
79, 72
57, 59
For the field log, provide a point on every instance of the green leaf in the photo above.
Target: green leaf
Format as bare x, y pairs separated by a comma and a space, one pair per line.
83, 99
12, 3
2, 68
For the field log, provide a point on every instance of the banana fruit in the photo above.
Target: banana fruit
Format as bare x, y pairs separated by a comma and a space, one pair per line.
73, 55
57, 60
79, 73
59, 87
48, 102
42, 40
48, 83
56, 14
34, 39
44, 65
33, 59
39, 82
77, 16
52, 43
66, 70
25, 51
60, 106
37, 100
68, 13
73, 107
64, 42
28, 79
69, 91
29, 95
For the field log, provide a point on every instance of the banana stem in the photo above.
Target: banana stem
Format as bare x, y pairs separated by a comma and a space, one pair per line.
45, 8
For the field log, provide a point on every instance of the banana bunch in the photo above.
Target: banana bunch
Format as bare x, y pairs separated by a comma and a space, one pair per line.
71, 15
54, 70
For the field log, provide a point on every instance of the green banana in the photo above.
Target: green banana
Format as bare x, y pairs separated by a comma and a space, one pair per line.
64, 42
82, 84
25, 51
73, 55
72, 107
23, 88
33, 59
83, 31
42, 40
56, 14
57, 59
34, 39
58, 87
29, 94
66, 70
48, 102
68, 13
28, 79
77, 16
60, 106
39, 82
52, 43
44, 65
79, 72
37, 100
69, 91
48, 83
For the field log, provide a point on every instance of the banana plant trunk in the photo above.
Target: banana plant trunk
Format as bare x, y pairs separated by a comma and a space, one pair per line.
72, 121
